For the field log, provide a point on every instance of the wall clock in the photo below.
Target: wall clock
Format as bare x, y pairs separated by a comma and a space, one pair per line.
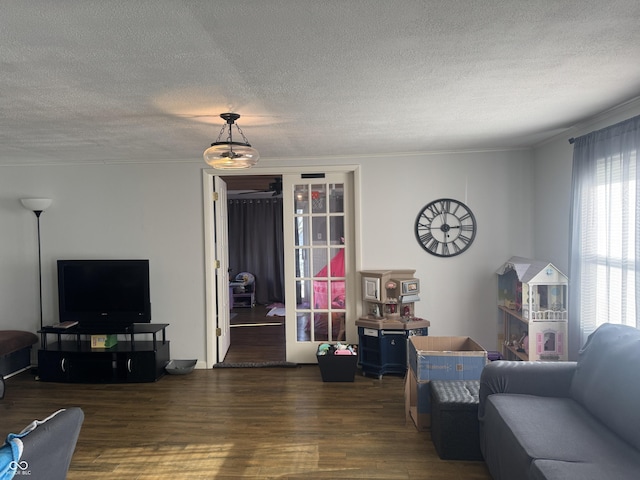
445, 227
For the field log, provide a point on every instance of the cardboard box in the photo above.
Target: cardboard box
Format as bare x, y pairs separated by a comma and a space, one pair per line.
446, 358
417, 400
103, 341
438, 358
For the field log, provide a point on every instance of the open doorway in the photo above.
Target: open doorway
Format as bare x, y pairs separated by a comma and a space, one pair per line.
217, 306
256, 268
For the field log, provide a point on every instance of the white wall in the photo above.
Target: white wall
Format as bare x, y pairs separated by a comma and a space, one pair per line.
107, 211
458, 294
155, 211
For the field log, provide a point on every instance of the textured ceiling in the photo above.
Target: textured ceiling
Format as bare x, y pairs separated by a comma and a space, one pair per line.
117, 81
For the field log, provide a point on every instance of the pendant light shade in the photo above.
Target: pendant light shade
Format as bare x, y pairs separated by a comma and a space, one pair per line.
227, 154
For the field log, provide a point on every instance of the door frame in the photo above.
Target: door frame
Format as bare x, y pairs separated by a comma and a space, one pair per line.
209, 247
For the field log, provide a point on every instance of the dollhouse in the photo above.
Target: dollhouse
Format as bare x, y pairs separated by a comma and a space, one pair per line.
532, 302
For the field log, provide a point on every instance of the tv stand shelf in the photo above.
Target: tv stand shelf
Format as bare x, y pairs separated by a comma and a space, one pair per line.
133, 359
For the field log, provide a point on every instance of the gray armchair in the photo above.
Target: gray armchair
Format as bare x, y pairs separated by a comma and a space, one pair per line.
49, 445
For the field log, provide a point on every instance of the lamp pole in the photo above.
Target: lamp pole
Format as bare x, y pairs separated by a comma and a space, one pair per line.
38, 212
37, 206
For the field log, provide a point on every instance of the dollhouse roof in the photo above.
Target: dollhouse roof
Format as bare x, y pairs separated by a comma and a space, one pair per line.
527, 269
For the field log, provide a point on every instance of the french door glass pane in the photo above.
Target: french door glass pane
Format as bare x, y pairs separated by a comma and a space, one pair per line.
319, 225
318, 199
320, 294
336, 205
302, 326
336, 230
303, 262
301, 199
320, 262
337, 262
321, 327
302, 232
303, 293
337, 326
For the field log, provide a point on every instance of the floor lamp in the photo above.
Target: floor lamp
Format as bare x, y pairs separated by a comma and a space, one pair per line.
37, 206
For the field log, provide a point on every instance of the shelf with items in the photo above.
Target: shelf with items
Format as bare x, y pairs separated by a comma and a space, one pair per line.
243, 290
515, 335
388, 298
389, 294
138, 355
244, 300
245, 296
532, 299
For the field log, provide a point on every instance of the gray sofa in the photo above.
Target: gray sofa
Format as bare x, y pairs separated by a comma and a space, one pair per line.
565, 420
43, 450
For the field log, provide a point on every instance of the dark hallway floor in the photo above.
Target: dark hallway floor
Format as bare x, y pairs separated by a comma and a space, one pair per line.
252, 340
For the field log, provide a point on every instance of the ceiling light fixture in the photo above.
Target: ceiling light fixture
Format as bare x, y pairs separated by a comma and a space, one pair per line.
227, 154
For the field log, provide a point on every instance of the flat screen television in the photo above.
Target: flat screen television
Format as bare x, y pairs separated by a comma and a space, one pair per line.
104, 295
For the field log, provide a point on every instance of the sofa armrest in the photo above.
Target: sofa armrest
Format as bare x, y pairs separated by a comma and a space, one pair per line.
546, 379
49, 445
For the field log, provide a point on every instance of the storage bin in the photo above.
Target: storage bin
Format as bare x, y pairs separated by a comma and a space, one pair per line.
337, 368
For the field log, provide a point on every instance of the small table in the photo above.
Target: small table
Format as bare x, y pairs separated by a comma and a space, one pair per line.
454, 419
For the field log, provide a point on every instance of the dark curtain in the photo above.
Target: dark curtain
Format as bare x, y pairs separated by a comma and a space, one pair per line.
256, 245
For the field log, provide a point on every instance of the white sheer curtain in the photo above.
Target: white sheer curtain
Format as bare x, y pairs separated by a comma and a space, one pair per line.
604, 251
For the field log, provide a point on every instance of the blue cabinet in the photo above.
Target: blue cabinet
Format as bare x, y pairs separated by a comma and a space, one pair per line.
384, 350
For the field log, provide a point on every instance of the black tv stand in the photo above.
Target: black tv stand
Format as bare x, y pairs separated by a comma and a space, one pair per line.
139, 355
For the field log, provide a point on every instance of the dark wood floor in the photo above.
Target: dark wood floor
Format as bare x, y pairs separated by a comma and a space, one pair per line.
252, 340
232, 423
260, 423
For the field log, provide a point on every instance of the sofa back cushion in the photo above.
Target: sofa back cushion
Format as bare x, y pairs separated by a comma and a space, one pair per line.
607, 379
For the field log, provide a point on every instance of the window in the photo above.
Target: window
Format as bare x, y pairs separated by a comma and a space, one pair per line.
612, 249
605, 230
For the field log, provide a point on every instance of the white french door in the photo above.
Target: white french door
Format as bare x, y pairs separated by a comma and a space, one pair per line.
321, 302
223, 314
318, 239
218, 338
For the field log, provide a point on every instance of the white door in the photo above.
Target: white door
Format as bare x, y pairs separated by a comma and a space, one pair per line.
221, 242
320, 278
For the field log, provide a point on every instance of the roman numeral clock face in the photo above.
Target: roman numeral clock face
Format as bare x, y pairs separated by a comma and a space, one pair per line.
445, 227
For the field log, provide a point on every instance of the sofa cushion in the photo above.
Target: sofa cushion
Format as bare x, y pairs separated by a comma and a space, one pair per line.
519, 429
560, 470
607, 379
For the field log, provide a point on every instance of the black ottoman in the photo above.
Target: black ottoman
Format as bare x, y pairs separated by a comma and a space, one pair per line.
454, 419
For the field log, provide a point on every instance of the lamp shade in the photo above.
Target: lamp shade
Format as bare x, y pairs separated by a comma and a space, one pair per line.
231, 156
36, 204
